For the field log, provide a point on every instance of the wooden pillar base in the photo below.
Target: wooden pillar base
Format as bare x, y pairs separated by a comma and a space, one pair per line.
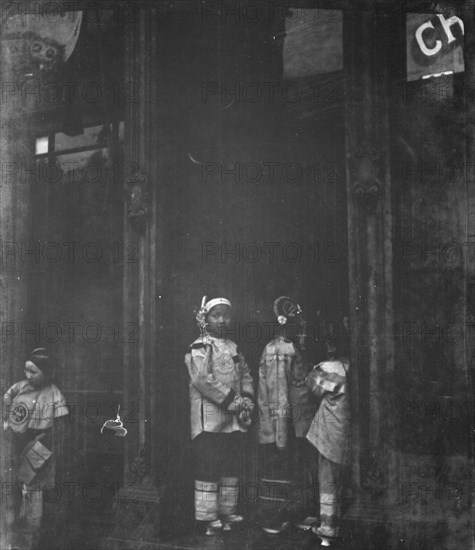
136, 519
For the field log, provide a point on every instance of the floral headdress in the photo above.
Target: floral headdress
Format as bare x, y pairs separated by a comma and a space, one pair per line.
286, 309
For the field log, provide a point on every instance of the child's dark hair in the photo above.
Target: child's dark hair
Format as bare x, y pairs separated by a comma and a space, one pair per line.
339, 344
41, 359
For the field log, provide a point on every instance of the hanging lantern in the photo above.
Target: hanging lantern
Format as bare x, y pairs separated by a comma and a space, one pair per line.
36, 43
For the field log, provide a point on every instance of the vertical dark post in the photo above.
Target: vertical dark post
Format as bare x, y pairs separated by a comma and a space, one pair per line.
468, 17
140, 270
140, 223
366, 50
15, 158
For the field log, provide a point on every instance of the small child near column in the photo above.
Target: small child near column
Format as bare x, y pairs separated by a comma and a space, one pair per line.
31, 407
330, 434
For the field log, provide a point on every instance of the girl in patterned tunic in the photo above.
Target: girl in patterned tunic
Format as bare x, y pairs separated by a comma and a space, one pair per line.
330, 434
286, 409
222, 400
31, 407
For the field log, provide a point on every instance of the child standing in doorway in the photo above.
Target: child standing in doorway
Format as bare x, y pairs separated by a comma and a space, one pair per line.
222, 401
286, 409
330, 434
31, 407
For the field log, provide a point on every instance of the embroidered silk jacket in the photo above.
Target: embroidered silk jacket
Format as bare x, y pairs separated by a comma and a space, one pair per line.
27, 407
218, 374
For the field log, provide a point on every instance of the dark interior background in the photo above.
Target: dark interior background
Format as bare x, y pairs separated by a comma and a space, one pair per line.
300, 208
210, 210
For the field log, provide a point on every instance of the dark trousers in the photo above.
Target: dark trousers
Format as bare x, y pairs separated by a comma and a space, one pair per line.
216, 455
287, 484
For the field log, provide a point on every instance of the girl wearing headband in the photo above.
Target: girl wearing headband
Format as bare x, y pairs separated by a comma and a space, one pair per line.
222, 400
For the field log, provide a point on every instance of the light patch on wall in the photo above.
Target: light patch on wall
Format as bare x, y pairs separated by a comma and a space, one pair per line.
92, 136
83, 165
313, 42
41, 146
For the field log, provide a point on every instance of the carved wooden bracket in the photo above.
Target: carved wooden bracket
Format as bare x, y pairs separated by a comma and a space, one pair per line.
139, 469
374, 477
366, 182
138, 198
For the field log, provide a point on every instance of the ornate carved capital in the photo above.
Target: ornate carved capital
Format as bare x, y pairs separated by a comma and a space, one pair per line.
374, 480
30, 52
139, 471
40, 45
138, 198
365, 175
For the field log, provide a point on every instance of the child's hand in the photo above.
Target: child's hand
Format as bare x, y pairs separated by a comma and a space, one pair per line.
237, 405
310, 382
244, 418
248, 404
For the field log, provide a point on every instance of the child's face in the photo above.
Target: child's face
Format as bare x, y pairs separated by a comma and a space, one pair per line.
299, 370
34, 375
330, 348
218, 320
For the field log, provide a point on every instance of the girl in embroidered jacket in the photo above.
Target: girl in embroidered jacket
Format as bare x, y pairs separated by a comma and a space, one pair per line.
31, 408
286, 409
330, 434
222, 401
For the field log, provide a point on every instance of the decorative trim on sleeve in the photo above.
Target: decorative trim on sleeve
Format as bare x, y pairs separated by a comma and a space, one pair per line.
229, 399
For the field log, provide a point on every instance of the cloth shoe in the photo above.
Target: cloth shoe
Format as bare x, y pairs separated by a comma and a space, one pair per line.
324, 535
307, 523
213, 526
276, 528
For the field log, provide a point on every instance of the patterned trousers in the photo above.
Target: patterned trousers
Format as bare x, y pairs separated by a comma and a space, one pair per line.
330, 489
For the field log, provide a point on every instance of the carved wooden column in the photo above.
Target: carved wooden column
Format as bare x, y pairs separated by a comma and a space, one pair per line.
15, 204
137, 502
140, 171
366, 44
